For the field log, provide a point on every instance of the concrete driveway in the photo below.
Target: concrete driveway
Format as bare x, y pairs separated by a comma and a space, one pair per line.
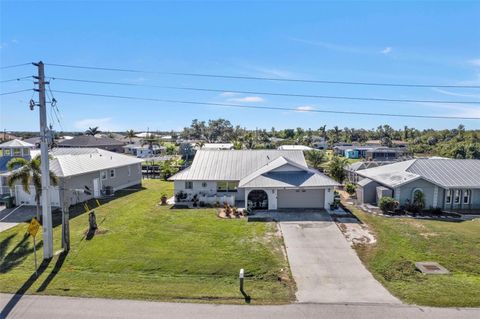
325, 267
11, 217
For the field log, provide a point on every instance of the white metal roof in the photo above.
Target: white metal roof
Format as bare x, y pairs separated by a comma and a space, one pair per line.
233, 165
295, 147
447, 173
17, 144
218, 146
292, 175
77, 161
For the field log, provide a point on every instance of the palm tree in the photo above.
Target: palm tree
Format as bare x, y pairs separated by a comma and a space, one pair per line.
315, 158
200, 144
28, 172
92, 131
130, 134
336, 168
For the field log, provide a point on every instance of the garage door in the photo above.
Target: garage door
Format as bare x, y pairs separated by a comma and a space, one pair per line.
307, 198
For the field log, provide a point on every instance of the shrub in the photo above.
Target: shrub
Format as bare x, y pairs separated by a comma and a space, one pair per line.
387, 204
350, 188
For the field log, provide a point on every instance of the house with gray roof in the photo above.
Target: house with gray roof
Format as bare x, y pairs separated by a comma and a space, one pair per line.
263, 179
89, 141
449, 184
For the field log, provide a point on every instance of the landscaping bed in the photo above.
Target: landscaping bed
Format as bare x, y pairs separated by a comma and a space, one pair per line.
154, 252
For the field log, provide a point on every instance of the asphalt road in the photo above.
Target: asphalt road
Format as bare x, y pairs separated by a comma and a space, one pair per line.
51, 307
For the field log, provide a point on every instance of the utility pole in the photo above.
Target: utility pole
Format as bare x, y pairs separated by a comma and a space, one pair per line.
45, 171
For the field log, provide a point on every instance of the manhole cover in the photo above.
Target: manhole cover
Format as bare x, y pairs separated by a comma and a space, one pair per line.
431, 268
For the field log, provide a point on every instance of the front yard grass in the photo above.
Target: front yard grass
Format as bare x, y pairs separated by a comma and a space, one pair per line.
403, 241
154, 253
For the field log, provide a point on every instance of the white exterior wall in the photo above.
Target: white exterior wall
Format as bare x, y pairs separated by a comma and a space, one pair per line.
329, 196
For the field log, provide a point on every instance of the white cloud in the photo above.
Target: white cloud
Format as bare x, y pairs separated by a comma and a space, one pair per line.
104, 124
15, 41
387, 50
475, 62
305, 108
247, 99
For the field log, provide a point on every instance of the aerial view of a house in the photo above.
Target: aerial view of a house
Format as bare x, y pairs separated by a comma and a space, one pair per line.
264, 179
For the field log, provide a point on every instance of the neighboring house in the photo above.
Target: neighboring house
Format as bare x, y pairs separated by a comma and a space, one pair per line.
449, 184
372, 153
34, 140
14, 148
263, 179
106, 143
294, 148
144, 151
103, 172
217, 146
351, 170
4, 136
319, 143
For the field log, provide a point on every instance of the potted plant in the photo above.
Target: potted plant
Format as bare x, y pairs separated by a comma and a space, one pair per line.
195, 200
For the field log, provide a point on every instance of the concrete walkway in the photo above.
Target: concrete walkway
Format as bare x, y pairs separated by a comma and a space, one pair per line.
11, 217
51, 307
325, 267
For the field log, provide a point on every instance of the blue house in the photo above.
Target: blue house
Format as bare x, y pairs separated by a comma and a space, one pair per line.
12, 149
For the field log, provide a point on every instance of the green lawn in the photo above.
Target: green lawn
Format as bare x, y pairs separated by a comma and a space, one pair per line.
155, 253
403, 241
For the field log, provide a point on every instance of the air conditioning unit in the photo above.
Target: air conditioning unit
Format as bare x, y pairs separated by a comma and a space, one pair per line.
108, 190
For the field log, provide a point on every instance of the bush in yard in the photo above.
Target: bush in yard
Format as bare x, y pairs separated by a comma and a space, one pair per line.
350, 188
387, 204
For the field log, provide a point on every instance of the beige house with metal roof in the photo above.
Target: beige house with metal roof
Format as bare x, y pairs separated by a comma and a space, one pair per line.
263, 179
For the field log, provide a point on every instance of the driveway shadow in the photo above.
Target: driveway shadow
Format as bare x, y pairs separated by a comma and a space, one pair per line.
290, 215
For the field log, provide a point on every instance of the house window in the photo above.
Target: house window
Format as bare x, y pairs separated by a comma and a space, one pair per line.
7, 152
448, 197
188, 185
112, 173
204, 184
457, 196
223, 186
26, 152
1, 151
17, 152
103, 175
466, 196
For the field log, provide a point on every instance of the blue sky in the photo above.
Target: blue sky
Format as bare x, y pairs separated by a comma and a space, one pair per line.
399, 42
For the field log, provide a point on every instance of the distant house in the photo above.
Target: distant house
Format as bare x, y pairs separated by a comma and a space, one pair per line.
319, 143
106, 143
4, 136
450, 184
396, 143
217, 146
260, 179
14, 148
352, 169
103, 172
144, 151
33, 140
294, 148
372, 153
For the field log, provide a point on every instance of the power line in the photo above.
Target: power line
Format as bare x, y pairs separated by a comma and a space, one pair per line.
269, 93
13, 92
264, 78
15, 65
17, 79
265, 107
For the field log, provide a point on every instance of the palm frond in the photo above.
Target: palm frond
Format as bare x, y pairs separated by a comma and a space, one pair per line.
53, 179
21, 175
17, 162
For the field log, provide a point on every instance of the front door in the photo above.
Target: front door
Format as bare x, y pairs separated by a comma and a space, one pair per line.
258, 199
96, 187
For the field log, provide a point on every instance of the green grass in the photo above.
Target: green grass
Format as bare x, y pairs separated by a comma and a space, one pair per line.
404, 241
155, 253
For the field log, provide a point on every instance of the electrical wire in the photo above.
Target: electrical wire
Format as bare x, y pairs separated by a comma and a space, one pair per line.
265, 107
15, 65
17, 79
263, 78
269, 93
14, 92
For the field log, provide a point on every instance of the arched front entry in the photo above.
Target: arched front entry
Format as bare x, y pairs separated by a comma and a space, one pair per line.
257, 199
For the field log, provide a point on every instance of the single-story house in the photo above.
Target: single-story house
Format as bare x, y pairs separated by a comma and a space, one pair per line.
449, 184
106, 143
372, 153
143, 151
294, 148
263, 179
103, 172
